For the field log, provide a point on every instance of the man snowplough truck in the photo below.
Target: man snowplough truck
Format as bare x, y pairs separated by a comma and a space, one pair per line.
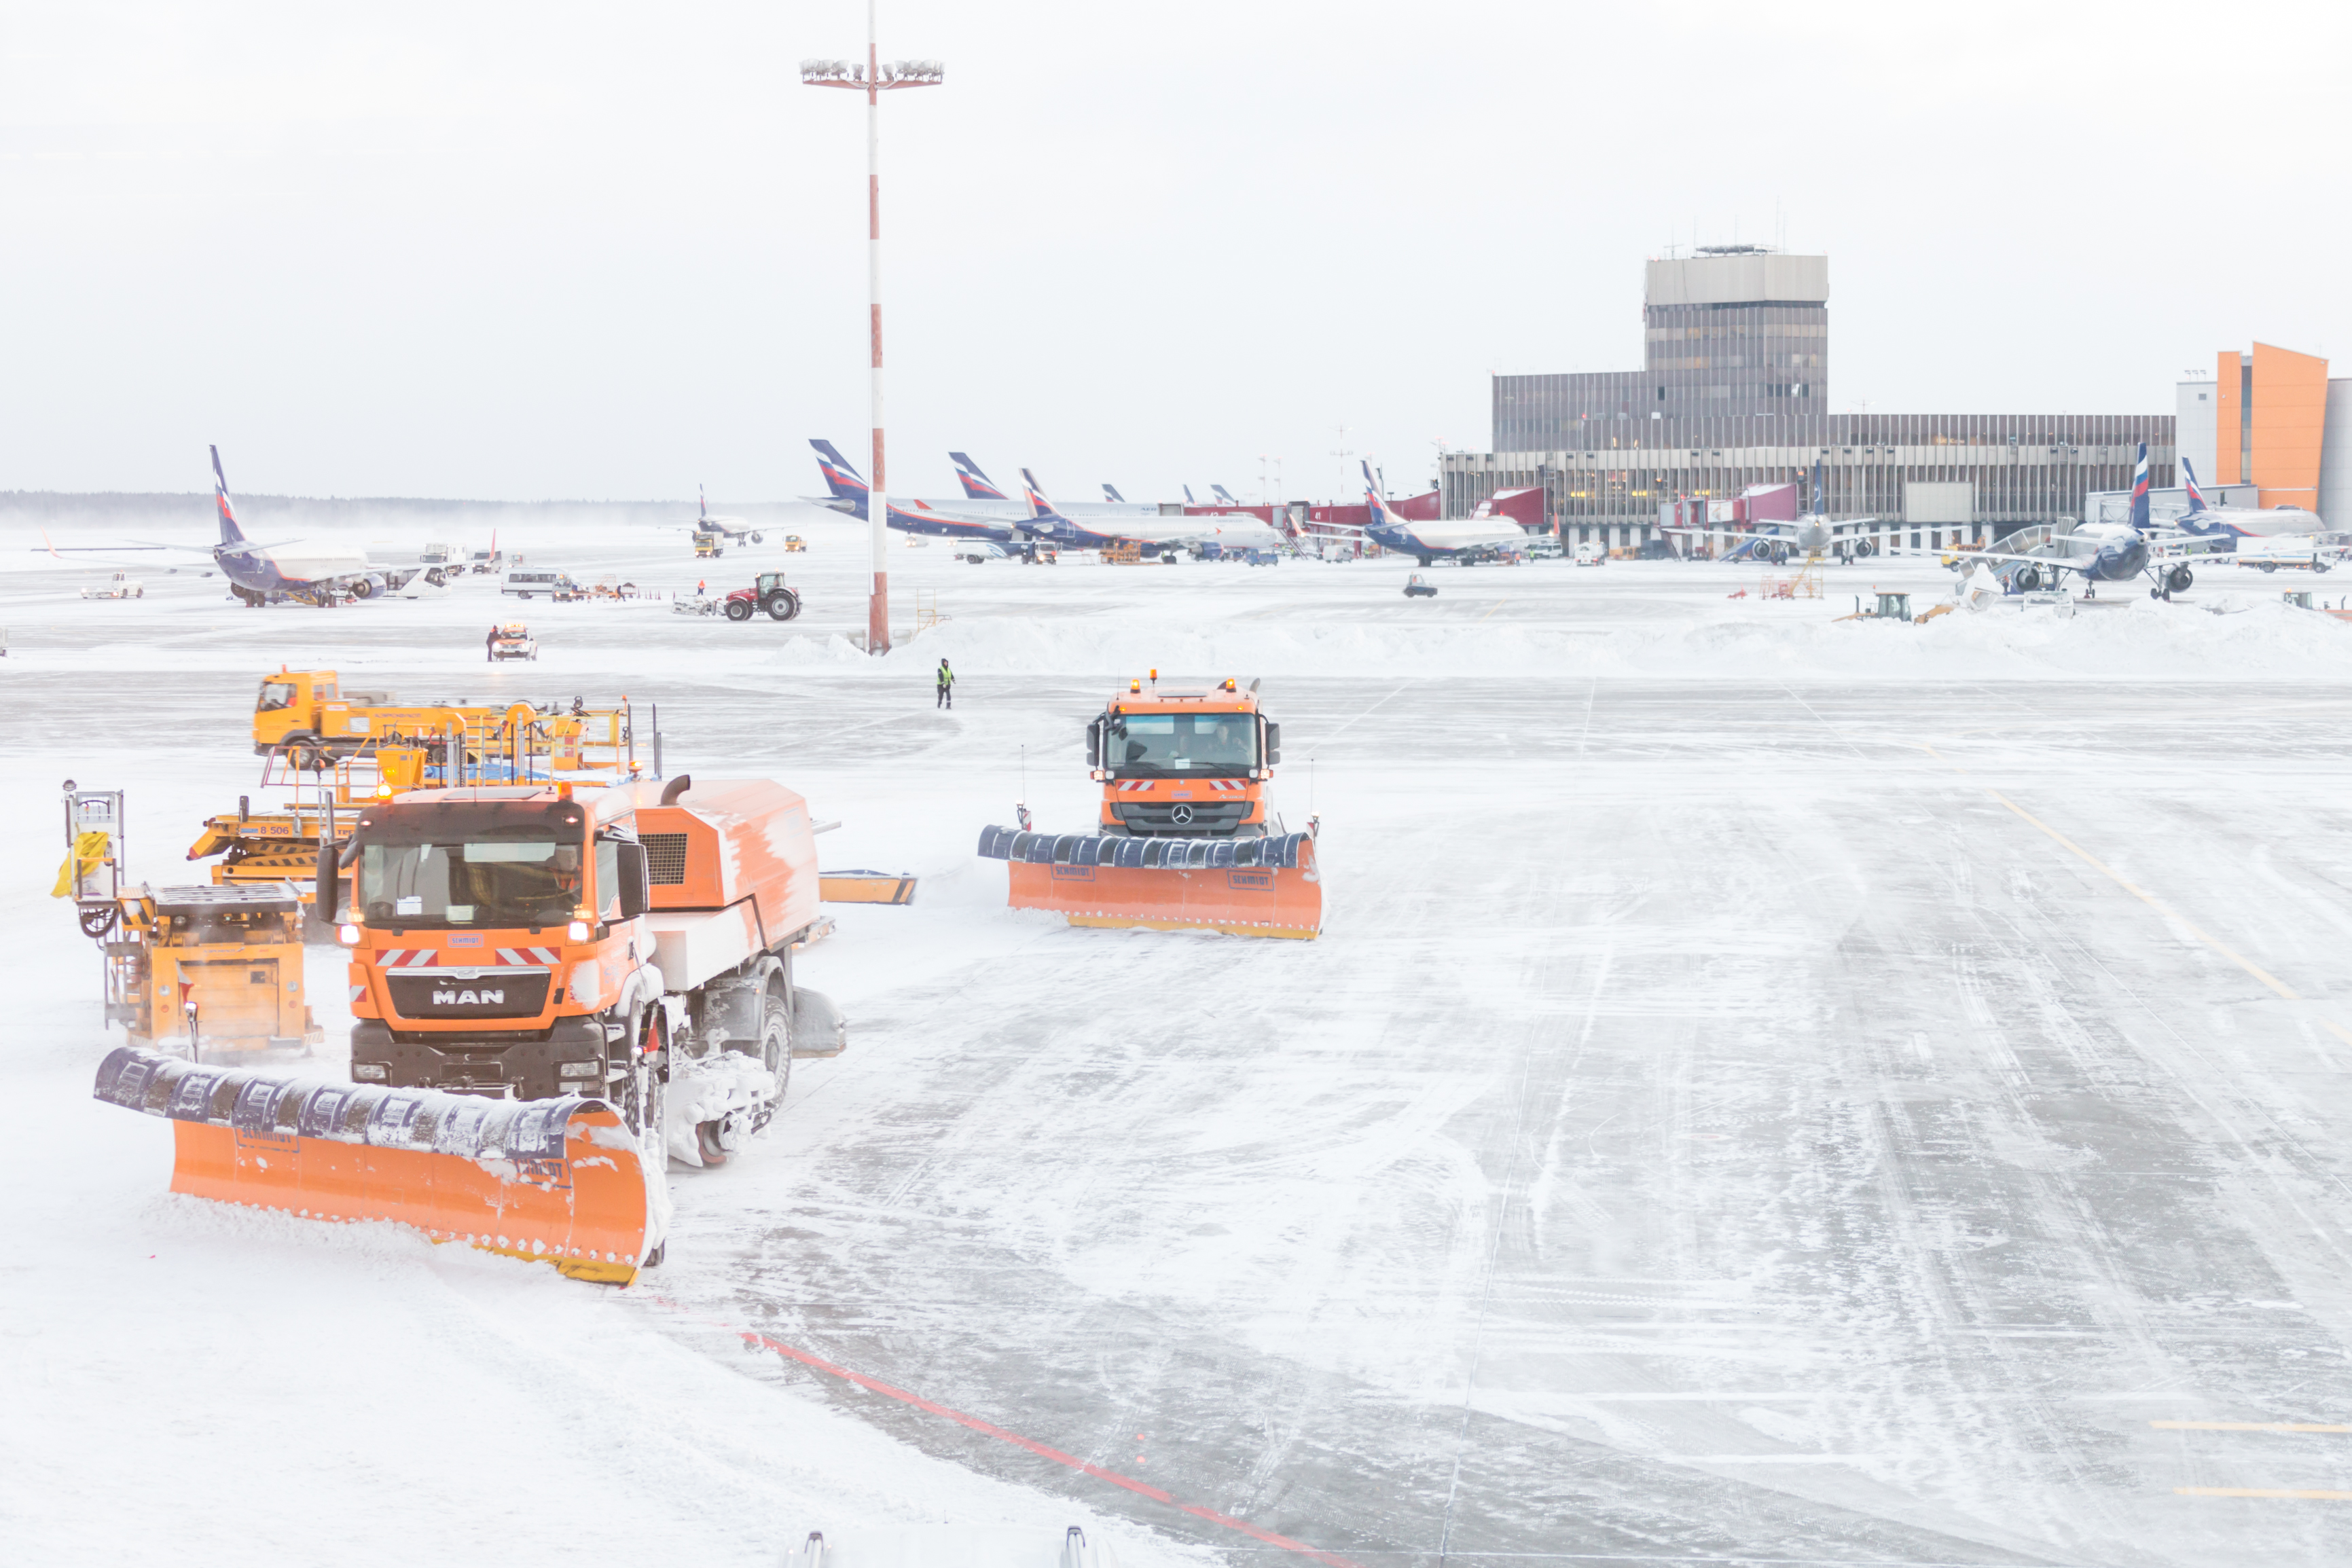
1184, 840
557, 989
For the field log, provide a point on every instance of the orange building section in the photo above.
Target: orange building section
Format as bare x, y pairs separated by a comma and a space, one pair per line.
2227, 419
2290, 423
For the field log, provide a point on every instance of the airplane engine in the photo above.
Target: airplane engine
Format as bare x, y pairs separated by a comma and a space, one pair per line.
369, 587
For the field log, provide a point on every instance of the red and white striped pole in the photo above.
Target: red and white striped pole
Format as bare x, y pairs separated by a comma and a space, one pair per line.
875, 79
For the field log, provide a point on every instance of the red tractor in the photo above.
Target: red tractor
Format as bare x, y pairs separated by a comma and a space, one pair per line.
769, 593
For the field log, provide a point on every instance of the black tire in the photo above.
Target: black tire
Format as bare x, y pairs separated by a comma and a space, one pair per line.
738, 610
2270, 566
775, 1047
644, 1098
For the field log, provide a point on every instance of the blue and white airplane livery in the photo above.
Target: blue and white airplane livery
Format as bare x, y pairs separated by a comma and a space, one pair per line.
977, 485
2106, 552
2240, 522
1481, 533
1047, 523
279, 571
850, 492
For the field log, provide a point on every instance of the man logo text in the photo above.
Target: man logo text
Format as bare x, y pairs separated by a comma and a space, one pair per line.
466, 999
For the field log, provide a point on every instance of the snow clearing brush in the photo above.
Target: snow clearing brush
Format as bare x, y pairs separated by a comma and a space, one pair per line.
1183, 840
558, 1181
1249, 887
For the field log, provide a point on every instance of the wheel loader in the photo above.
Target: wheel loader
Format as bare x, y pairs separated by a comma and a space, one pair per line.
1183, 839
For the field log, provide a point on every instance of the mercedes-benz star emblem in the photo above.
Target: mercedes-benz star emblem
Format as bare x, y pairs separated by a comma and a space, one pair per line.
1181, 814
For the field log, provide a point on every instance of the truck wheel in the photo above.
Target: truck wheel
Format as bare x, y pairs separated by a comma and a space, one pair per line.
774, 1049
782, 606
736, 610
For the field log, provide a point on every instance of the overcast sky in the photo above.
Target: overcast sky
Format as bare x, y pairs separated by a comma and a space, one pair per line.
588, 250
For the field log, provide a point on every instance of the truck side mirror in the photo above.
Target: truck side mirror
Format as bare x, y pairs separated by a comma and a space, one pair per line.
636, 885
1272, 743
329, 898
1094, 744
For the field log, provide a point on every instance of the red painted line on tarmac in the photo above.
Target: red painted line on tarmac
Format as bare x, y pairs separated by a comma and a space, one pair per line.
875, 1385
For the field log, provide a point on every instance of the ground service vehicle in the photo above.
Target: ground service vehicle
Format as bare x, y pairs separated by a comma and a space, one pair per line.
707, 546
523, 581
1184, 840
555, 992
1591, 554
1894, 607
207, 972
793, 543
196, 971
767, 592
514, 640
1417, 587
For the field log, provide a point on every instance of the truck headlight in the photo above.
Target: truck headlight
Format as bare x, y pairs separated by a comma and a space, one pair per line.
348, 935
577, 931
578, 1068
370, 1072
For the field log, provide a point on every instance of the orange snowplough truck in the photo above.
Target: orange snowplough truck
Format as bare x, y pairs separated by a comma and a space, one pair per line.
557, 990
1184, 840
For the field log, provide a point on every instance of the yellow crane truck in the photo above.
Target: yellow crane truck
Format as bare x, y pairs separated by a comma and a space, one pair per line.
631, 942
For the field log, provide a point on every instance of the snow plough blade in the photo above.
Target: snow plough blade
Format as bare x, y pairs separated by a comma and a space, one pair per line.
558, 1181
1245, 887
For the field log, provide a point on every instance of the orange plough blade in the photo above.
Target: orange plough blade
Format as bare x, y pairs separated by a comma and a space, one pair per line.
558, 1181
1255, 887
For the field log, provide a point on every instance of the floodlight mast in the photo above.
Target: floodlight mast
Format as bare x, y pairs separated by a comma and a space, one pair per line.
874, 79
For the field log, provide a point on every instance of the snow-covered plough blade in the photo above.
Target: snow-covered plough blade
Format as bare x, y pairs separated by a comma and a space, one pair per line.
1247, 887
557, 1181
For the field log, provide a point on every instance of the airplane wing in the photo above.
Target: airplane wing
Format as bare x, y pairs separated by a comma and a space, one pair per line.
99, 556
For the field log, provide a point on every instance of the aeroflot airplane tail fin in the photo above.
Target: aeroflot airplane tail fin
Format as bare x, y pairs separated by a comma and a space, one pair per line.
1031, 492
703, 499
1188, 496
840, 476
1110, 493
2139, 492
1224, 495
976, 485
2188, 479
230, 533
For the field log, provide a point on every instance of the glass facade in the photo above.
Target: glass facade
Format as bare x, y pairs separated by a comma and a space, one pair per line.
2020, 468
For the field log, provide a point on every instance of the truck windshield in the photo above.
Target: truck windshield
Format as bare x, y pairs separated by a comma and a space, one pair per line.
517, 879
274, 694
1165, 745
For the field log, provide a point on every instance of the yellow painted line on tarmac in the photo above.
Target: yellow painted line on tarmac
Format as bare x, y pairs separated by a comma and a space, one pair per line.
1498, 604
2247, 1427
2262, 1491
2151, 899
2240, 960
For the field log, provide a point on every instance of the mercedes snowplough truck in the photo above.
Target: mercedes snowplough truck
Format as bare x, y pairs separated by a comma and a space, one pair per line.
556, 989
1184, 840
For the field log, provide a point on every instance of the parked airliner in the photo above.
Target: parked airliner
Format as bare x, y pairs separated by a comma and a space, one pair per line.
260, 572
850, 493
1046, 523
1812, 535
1481, 533
2105, 552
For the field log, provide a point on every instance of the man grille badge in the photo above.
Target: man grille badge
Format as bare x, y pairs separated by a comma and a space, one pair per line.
1181, 814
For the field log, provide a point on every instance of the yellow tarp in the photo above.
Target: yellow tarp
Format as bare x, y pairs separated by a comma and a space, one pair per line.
89, 853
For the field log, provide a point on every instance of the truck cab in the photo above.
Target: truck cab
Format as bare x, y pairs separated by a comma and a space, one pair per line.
1184, 763
527, 941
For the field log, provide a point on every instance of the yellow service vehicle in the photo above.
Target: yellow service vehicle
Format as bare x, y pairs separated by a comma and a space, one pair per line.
206, 971
188, 970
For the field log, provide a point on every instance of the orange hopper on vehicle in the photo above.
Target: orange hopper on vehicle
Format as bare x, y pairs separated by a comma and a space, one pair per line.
558, 1181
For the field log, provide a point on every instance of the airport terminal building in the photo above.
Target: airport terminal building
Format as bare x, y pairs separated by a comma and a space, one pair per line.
1734, 393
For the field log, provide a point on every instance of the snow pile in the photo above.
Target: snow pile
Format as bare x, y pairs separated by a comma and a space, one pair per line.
1798, 640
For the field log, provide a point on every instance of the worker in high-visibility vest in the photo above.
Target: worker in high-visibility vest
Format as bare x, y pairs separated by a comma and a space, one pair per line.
947, 686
